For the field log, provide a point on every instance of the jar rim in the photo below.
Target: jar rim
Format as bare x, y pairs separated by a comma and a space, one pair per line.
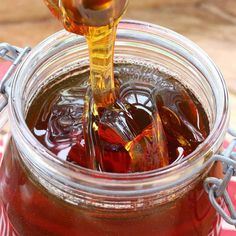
23, 136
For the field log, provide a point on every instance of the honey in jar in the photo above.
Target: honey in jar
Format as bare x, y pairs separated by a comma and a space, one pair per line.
114, 123
47, 186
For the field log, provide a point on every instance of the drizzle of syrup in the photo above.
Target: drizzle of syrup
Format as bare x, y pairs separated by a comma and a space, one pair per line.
135, 147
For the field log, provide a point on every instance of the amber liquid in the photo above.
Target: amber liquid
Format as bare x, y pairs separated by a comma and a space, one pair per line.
58, 123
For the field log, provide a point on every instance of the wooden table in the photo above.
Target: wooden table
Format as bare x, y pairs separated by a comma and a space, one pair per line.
209, 23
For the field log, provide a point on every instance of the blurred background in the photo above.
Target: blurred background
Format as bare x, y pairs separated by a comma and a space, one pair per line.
209, 23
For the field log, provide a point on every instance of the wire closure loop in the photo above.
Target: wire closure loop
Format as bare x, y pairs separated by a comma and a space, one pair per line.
15, 55
9, 52
217, 188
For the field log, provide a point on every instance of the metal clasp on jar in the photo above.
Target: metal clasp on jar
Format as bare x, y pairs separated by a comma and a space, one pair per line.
217, 188
15, 55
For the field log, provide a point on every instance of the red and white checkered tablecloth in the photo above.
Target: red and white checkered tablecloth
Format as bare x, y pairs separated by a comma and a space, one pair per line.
227, 230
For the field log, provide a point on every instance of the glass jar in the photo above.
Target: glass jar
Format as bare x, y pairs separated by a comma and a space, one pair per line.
42, 195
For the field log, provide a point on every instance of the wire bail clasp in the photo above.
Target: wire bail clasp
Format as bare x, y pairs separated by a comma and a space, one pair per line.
217, 188
15, 55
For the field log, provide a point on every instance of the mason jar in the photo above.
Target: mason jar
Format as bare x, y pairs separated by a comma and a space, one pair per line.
42, 195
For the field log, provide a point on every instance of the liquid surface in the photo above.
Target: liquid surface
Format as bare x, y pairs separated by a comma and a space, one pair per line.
124, 132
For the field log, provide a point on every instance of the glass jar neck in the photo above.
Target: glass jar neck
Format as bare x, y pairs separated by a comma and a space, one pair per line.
59, 54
